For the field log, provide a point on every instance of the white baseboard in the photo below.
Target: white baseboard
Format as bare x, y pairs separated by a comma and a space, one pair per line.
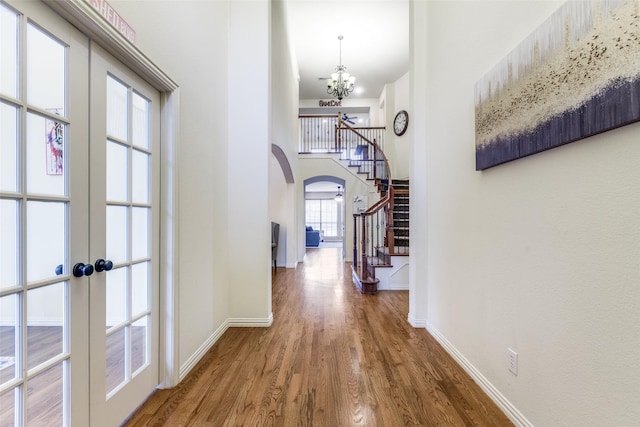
416, 323
394, 287
499, 399
204, 348
239, 322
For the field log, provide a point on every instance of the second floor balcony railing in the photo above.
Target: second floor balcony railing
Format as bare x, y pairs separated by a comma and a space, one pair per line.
326, 134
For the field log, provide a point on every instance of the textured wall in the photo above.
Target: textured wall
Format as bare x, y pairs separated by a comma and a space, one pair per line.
540, 254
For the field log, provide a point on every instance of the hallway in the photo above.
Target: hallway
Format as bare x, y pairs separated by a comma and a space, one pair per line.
333, 357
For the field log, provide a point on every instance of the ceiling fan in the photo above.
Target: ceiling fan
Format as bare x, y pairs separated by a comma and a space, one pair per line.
346, 118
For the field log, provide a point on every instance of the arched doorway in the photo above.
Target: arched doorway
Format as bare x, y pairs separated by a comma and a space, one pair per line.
324, 212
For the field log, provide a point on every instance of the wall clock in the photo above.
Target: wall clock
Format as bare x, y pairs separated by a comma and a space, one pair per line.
401, 122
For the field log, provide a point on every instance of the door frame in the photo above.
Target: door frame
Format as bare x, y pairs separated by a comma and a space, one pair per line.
81, 14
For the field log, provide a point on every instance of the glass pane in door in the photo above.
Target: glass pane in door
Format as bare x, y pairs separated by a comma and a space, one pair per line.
46, 71
140, 177
8, 147
139, 353
8, 243
46, 242
45, 327
9, 355
117, 172
140, 233
139, 289
117, 232
117, 366
140, 118
8, 51
8, 405
128, 238
116, 297
117, 109
45, 396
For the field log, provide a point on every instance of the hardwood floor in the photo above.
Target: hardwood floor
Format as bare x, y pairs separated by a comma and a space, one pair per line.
333, 357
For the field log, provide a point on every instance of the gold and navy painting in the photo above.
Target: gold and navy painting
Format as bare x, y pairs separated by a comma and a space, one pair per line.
575, 76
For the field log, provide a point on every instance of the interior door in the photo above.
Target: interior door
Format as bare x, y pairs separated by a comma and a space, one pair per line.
124, 181
43, 218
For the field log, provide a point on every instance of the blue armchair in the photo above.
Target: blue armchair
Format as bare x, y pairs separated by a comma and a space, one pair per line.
313, 236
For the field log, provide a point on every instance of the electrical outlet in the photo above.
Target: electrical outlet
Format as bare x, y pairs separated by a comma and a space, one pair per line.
512, 361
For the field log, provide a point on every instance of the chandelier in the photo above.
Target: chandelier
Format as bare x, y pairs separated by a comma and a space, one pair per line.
341, 83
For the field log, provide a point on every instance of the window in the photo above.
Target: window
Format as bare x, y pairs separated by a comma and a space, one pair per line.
323, 215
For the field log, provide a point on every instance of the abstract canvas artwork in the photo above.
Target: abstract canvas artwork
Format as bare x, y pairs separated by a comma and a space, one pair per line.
575, 76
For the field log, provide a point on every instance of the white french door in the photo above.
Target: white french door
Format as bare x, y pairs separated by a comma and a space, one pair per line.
124, 224
78, 227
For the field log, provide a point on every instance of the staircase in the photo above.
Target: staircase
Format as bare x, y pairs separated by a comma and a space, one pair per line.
400, 216
381, 233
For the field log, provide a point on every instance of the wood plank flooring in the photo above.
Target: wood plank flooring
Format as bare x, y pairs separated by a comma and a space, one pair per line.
333, 357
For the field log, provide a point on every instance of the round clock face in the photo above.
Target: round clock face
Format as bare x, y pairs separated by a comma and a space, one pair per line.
401, 122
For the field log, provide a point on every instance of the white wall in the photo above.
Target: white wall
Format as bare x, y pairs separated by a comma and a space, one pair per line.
539, 255
418, 271
249, 242
397, 97
283, 198
401, 144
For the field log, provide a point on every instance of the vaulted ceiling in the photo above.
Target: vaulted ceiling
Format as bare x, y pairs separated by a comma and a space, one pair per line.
375, 48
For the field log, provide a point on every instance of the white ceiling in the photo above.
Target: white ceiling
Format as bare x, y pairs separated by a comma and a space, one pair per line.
375, 48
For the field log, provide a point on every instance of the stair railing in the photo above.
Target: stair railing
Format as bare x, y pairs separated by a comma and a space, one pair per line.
320, 134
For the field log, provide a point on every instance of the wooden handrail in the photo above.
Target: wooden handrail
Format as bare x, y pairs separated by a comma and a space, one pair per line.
316, 115
368, 127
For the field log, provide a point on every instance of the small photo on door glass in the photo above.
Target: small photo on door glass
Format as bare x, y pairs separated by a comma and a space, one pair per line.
54, 137
45, 155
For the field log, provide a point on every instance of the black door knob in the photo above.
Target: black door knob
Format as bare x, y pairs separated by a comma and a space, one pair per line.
103, 265
81, 269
